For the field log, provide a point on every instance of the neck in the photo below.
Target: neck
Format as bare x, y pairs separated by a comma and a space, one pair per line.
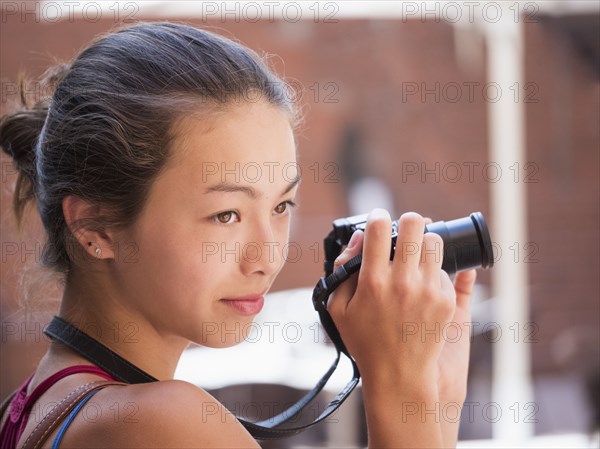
96, 309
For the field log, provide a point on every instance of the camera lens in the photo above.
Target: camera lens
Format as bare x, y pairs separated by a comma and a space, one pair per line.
467, 243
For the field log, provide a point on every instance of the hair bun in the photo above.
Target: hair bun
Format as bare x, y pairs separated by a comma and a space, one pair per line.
20, 131
18, 136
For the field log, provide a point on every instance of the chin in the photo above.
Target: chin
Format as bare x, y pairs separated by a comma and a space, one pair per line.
224, 334
227, 343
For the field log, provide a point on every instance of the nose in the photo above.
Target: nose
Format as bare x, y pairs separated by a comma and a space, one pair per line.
263, 251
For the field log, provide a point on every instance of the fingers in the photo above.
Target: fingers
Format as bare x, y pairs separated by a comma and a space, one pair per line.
447, 286
353, 248
416, 253
377, 245
432, 254
463, 284
408, 244
342, 295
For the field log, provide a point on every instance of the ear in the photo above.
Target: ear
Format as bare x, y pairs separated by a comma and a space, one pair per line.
76, 211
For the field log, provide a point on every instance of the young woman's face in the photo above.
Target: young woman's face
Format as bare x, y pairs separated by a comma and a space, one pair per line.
213, 233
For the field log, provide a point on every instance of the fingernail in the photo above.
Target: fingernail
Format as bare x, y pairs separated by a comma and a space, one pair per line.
353, 240
378, 213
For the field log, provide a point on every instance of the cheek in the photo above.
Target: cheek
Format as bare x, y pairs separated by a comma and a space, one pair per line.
283, 228
168, 268
283, 235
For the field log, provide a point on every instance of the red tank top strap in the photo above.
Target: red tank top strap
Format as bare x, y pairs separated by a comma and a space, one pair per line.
21, 403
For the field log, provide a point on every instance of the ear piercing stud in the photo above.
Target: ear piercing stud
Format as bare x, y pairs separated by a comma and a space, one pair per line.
98, 250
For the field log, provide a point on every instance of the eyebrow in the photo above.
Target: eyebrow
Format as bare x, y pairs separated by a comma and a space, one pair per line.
250, 191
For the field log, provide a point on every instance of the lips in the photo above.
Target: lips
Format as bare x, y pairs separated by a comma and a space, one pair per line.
246, 305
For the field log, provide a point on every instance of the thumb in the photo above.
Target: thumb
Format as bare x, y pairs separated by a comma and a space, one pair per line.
353, 249
342, 295
463, 285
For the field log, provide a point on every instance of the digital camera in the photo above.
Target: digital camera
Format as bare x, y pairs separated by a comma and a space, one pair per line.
467, 242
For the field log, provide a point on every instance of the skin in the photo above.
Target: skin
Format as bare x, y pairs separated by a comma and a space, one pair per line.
405, 373
173, 286
160, 300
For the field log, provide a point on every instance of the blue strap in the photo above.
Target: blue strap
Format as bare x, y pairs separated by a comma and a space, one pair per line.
70, 419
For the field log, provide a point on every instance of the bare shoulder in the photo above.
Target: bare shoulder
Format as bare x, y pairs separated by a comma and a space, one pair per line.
165, 414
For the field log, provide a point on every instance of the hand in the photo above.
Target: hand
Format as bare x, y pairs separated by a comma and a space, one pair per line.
380, 313
453, 364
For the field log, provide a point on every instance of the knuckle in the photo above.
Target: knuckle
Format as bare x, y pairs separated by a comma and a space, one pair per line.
403, 284
446, 306
412, 219
378, 227
430, 292
439, 299
344, 257
339, 261
433, 246
433, 239
373, 282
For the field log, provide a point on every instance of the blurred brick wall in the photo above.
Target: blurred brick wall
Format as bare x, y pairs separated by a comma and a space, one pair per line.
563, 139
361, 73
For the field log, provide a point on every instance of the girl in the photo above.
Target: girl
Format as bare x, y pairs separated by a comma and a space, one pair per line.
130, 166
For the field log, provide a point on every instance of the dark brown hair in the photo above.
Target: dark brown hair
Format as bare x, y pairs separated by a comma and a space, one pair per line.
105, 133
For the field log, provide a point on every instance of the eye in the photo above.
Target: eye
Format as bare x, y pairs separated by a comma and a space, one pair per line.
281, 208
225, 217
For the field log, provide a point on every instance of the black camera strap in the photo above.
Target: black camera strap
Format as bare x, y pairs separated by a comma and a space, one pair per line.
94, 351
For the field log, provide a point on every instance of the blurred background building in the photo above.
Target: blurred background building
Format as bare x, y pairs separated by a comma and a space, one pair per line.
401, 102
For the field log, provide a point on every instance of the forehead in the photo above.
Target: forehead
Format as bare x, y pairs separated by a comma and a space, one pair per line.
241, 137
226, 147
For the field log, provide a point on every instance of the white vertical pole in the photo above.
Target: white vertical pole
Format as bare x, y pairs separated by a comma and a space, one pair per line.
512, 391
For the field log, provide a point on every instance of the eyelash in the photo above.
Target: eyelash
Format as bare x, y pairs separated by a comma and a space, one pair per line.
215, 218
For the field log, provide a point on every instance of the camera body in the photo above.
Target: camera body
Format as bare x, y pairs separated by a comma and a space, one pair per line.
467, 242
